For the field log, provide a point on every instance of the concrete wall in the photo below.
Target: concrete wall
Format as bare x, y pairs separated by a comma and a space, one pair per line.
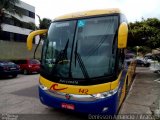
26, 6
16, 50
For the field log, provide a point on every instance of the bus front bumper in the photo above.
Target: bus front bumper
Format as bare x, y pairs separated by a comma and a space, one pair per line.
107, 106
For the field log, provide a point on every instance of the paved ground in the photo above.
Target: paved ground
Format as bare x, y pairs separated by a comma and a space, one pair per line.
20, 96
144, 93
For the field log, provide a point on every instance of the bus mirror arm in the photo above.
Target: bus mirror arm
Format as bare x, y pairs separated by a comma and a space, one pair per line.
32, 35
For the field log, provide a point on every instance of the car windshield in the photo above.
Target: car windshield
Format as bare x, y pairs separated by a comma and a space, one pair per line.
34, 61
81, 48
6, 63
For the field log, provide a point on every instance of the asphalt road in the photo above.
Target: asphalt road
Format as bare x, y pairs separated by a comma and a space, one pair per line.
19, 99
143, 94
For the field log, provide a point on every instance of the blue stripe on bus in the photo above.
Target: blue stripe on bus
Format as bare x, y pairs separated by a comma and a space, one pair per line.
122, 82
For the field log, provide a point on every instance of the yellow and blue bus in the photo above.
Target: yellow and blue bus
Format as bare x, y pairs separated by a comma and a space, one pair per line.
82, 64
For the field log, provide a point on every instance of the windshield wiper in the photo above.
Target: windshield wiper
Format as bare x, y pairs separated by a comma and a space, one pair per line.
62, 57
80, 61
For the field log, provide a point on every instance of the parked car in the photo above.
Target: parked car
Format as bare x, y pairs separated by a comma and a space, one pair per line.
148, 58
28, 66
8, 68
142, 63
129, 57
155, 66
155, 63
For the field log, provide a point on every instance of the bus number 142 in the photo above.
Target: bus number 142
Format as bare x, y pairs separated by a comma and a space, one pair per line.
84, 91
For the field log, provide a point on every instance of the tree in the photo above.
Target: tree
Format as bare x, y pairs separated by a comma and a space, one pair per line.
145, 33
43, 24
7, 7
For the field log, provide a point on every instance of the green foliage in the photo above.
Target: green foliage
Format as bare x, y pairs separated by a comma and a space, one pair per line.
142, 49
9, 6
145, 33
31, 26
44, 23
6, 7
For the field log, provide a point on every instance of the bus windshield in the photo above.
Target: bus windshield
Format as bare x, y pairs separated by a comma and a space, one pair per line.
81, 48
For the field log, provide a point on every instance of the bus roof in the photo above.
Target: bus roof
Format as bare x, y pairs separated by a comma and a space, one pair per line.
88, 13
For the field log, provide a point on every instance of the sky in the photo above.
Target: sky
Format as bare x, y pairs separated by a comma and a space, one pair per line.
133, 9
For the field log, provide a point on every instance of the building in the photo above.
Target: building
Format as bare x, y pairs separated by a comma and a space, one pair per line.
17, 28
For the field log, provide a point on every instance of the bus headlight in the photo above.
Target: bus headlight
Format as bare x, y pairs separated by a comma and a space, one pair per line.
105, 94
43, 87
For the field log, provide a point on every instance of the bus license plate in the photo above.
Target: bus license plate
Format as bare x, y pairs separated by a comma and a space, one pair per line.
67, 106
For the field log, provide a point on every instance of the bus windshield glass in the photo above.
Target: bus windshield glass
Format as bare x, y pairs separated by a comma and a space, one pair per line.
81, 48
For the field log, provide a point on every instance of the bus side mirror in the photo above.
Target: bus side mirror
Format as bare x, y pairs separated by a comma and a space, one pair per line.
32, 35
122, 35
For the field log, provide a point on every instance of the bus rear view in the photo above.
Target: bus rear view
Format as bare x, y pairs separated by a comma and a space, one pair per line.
82, 65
